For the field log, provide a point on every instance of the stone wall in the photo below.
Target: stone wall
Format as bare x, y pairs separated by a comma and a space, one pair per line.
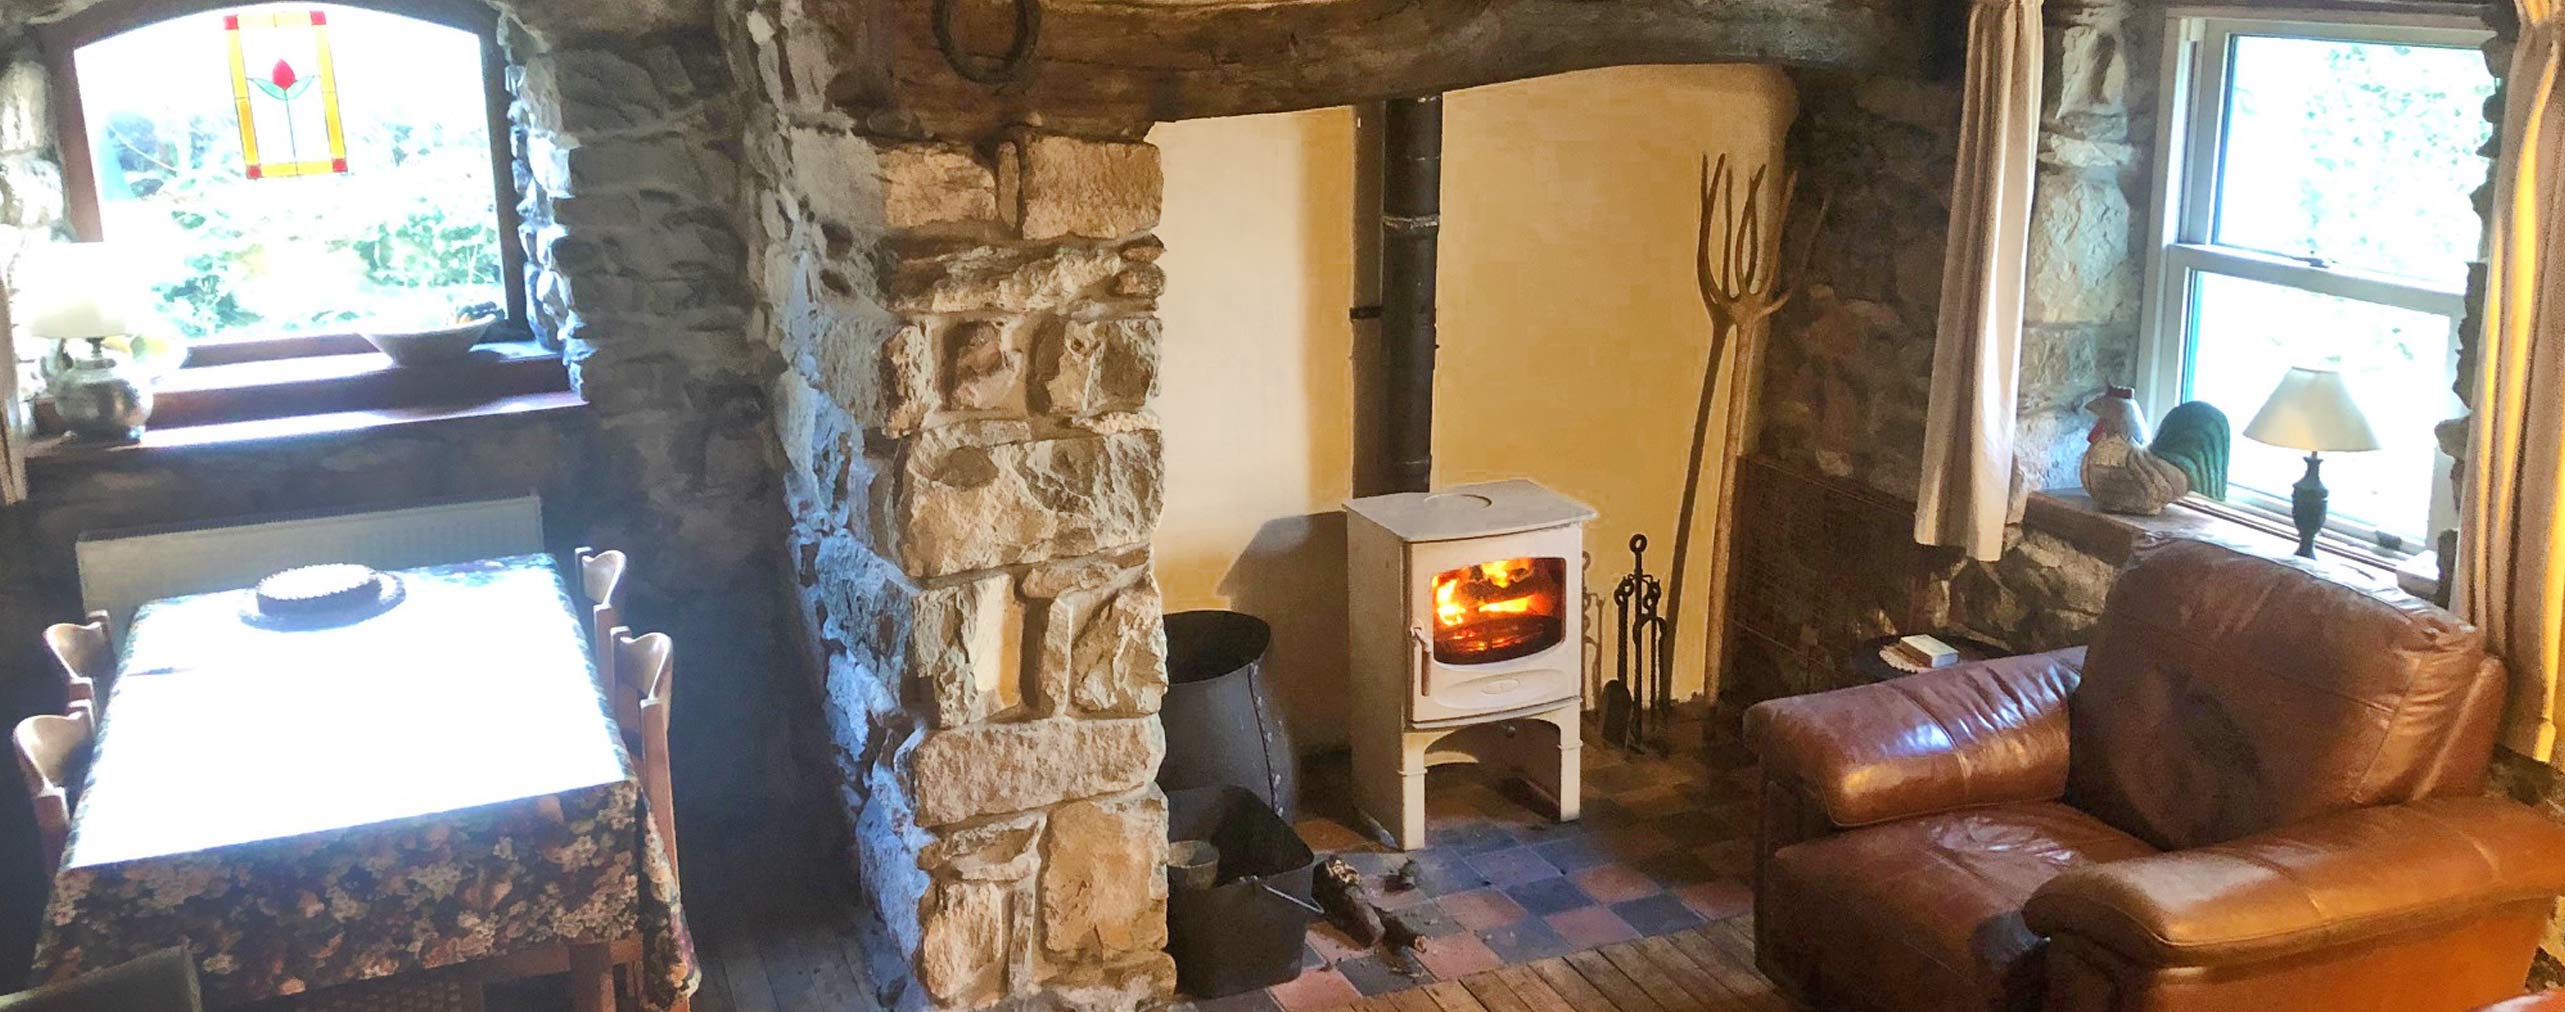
1840, 440
31, 195
969, 345
631, 197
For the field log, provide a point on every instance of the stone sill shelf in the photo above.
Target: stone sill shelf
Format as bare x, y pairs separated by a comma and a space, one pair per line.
2072, 516
226, 401
316, 384
63, 453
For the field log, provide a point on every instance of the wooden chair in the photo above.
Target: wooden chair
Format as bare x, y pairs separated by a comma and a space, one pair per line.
646, 684
164, 981
451, 989
601, 582
50, 751
86, 654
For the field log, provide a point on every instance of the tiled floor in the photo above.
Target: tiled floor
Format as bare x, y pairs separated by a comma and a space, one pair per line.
1664, 847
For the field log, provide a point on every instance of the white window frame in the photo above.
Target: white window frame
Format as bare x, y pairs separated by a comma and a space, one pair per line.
2193, 83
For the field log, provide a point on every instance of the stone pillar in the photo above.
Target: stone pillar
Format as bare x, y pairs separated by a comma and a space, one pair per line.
969, 344
31, 197
2080, 309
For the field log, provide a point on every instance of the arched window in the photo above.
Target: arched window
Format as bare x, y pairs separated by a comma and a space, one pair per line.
279, 175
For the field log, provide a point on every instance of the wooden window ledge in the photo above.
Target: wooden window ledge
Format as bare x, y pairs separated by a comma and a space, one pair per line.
248, 402
2071, 515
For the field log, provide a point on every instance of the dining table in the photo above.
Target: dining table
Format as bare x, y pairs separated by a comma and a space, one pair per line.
436, 784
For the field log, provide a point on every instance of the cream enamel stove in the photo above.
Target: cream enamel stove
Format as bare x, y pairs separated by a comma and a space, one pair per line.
1467, 642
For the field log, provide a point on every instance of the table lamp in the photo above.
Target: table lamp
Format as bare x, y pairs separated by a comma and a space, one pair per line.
75, 292
2312, 410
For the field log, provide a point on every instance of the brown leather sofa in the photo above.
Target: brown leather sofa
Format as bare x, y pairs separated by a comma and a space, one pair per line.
2259, 790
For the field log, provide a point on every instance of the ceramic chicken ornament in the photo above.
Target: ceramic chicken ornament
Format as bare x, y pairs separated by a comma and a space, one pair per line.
2124, 472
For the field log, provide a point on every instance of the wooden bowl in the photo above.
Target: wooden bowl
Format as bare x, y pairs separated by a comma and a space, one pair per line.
441, 344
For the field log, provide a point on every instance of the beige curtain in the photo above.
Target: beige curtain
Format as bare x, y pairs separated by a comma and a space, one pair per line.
1968, 424
14, 427
2511, 573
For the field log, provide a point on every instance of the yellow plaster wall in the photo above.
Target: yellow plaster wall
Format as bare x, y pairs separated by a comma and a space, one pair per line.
1572, 339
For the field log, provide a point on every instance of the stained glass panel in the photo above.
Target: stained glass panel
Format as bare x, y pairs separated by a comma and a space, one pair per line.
286, 89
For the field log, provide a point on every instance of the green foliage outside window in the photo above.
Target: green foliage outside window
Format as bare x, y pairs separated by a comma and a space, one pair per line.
410, 231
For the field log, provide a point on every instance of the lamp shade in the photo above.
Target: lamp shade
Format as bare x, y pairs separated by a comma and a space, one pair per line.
2312, 410
74, 290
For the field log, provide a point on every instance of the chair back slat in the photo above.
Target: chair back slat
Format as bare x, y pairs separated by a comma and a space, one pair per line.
646, 670
601, 584
51, 750
84, 654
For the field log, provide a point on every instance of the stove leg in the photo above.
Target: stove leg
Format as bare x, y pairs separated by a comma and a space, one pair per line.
1389, 786
1564, 783
1571, 795
1411, 796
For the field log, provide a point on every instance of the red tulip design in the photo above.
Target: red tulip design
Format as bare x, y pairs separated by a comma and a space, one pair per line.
282, 84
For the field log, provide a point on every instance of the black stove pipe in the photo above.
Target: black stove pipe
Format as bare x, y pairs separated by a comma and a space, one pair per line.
1411, 220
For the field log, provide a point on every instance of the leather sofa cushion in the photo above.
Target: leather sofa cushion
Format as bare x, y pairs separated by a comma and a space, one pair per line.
2551, 1001
1925, 913
2225, 693
1991, 732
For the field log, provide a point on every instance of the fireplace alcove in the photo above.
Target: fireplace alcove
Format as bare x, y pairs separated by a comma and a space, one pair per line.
938, 353
973, 342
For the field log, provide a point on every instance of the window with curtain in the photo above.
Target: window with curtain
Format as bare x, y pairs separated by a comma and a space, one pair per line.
2315, 211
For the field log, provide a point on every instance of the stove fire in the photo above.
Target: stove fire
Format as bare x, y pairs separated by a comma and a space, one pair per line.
1500, 610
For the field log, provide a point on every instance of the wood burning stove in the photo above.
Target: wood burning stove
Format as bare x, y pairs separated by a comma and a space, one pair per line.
1467, 642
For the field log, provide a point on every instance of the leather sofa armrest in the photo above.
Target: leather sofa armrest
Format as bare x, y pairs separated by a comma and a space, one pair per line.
1986, 733
2323, 882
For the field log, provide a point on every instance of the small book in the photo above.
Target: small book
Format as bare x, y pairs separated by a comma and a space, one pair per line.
1927, 651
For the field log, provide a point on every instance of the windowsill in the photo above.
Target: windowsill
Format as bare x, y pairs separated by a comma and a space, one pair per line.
2071, 515
276, 389
51, 452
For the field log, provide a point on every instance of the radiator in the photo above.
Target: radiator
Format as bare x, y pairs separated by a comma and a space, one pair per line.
119, 570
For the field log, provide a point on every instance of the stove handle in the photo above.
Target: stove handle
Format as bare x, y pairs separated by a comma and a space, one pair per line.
1424, 661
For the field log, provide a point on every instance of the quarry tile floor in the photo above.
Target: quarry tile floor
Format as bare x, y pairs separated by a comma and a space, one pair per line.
1663, 851
1640, 906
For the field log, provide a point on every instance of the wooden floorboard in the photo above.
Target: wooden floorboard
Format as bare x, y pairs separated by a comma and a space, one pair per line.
770, 938
1739, 976
1529, 987
1651, 978
1704, 988
1412, 1000
1452, 997
1705, 969
1617, 988
1493, 993
1571, 986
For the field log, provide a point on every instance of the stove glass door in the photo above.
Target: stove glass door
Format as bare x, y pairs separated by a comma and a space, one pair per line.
1499, 610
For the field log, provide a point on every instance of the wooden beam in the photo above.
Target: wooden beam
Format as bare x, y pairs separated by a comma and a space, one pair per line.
1111, 67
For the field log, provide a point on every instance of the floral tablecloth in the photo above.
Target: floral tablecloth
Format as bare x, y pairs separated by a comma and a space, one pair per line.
437, 784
